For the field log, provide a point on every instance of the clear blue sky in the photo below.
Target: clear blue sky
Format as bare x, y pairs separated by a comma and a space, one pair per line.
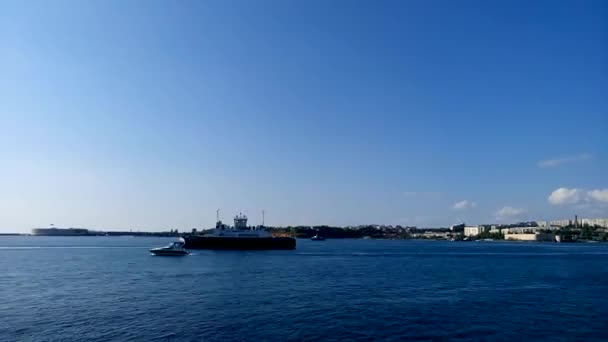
152, 114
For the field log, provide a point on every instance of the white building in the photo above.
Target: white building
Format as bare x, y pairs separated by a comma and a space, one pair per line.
560, 223
595, 222
474, 230
601, 222
529, 236
520, 230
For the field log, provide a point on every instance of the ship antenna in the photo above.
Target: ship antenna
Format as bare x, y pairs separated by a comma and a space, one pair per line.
217, 215
263, 217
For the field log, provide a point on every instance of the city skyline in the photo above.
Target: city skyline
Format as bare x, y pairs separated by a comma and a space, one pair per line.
596, 221
120, 115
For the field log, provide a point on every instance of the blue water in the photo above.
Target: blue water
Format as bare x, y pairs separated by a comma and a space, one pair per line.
112, 289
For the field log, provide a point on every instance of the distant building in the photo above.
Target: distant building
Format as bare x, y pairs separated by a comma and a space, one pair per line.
560, 223
475, 230
529, 230
520, 230
433, 235
529, 236
601, 222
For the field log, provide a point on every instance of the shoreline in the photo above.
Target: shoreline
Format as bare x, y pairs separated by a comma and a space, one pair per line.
162, 235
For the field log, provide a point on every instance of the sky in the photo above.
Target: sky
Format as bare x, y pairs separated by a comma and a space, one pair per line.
150, 115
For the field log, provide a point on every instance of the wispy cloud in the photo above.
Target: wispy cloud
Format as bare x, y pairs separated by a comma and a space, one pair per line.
562, 196
464, 204
599, 195
507, 212
565, 196
555, 162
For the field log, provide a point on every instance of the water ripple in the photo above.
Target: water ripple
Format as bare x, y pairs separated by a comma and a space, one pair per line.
332, 291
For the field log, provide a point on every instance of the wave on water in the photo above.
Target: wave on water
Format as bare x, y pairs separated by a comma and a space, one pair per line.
54, 288
456, 254
72, 247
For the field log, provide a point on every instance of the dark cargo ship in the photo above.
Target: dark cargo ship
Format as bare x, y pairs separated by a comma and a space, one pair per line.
61, 232
239, 237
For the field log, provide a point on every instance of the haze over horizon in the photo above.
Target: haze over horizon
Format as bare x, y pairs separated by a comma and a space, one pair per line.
151, 115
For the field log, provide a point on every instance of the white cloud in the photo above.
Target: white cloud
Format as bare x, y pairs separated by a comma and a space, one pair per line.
508, 212
564, 160
464, 204
599, 195
566, 196
573, 196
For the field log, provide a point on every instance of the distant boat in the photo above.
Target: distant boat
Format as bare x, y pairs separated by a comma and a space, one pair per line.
317, 238
239, 237
172, 249
61, 231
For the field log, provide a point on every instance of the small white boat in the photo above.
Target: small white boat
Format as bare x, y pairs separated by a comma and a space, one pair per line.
172, 249
317, 238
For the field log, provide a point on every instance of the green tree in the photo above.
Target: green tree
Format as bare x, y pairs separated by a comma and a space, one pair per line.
587, 232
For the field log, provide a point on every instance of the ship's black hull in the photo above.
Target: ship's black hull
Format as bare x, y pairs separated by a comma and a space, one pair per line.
239, 243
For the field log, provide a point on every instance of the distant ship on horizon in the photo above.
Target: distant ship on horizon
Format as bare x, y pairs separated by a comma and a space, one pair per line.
238, 237
54, 231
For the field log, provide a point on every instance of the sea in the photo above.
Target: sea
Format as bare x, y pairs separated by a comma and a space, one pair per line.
113, 289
